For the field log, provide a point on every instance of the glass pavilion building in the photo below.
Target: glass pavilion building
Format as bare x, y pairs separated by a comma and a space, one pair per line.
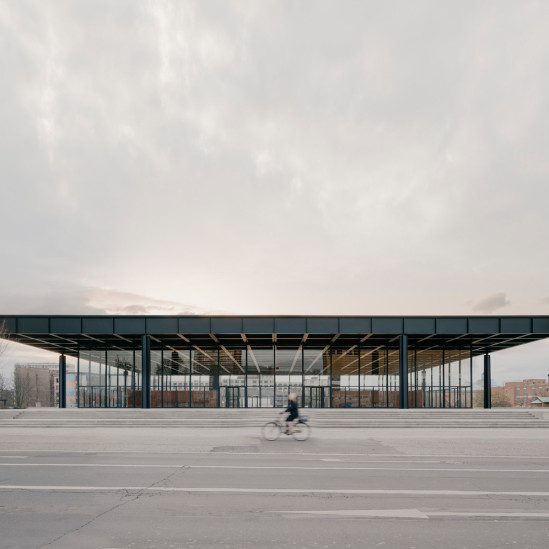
255, 361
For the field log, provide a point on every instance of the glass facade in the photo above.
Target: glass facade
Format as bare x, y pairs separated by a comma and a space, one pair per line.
261, 375
108, 379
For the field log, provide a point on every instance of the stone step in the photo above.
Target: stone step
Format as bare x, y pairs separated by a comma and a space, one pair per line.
321, 418
438, 425
258, 421
232, 412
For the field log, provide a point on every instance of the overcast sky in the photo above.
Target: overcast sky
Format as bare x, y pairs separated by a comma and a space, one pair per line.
278, 157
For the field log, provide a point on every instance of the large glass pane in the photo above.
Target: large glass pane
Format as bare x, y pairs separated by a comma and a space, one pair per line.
91, 378
316, 377
379, 386
119, 377
157, 378
460, 378
440, 378
288, 375
108, 379
171, 378
345, 380
204, 377
232, 377
261, 378
175, 383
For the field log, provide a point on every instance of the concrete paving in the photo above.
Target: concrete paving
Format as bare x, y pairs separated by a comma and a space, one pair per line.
114, 488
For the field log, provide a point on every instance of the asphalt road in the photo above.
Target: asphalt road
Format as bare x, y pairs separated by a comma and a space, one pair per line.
113, 489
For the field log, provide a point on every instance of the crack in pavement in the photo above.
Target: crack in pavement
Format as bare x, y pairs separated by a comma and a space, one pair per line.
127, 498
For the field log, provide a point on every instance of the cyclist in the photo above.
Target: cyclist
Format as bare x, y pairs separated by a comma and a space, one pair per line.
293, 413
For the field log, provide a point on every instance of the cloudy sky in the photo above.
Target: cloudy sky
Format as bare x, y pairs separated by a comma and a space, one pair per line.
276, 157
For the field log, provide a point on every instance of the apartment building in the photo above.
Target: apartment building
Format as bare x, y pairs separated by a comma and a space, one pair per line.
522, 393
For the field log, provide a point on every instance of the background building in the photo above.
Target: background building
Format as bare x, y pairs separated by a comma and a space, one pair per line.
522, 393
38, 385
34, 384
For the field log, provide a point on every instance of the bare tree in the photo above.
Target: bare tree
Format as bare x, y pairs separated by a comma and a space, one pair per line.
3, 336
6, 390
498, 399
22, 387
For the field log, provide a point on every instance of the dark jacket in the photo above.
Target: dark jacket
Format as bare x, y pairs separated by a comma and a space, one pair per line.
293, 409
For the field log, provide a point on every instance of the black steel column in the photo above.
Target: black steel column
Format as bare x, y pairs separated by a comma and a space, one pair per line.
359, 384
443, 378
471, 376
161, 375
274, 375
331, 380
403, 370
415, 376
375, 363
246, 378
487, 382
62, 381
302, 404
146, 371
78, 379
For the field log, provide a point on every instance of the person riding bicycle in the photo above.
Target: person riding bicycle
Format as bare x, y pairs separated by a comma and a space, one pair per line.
293, 413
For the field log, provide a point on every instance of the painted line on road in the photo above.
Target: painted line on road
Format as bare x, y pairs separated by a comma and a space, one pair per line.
490, 515
409, 513
361, 513
435, 458
453, 493
284, 467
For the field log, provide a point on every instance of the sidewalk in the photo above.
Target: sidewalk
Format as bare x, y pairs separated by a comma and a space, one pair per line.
421, 441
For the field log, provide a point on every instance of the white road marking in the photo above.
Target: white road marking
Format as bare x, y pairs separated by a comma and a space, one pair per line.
489, 515
433, 457
285, 467
410, 513
455, 493
363, 513
383, 460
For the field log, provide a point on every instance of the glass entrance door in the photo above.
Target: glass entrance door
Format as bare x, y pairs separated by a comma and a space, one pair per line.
316, 397
233, 397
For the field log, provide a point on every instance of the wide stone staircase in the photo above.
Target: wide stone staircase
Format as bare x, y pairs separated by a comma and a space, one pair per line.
318, 418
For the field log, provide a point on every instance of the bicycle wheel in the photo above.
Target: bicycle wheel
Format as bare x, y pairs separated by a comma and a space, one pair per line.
271, 430
302, 431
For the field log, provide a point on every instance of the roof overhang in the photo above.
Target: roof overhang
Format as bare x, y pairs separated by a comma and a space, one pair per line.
480, 334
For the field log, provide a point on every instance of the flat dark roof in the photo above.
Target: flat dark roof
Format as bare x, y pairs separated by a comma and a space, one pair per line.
65, 334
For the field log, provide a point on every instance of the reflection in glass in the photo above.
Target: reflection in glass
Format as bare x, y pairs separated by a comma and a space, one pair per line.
360, 375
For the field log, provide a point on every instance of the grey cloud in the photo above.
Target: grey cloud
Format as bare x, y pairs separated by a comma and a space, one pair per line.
118, 302
491, 303
91, 300
359, 156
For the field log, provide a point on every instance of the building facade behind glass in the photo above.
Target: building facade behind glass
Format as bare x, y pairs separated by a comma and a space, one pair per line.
254, 362
261, 377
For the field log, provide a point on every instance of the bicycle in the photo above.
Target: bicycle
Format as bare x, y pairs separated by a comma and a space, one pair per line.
273, 429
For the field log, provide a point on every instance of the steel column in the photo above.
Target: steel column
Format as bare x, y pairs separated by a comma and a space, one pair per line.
302, 377
78, 378
146, 371
487, 382
443, 377
375, 363
359, 384
403, 371
62, 381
